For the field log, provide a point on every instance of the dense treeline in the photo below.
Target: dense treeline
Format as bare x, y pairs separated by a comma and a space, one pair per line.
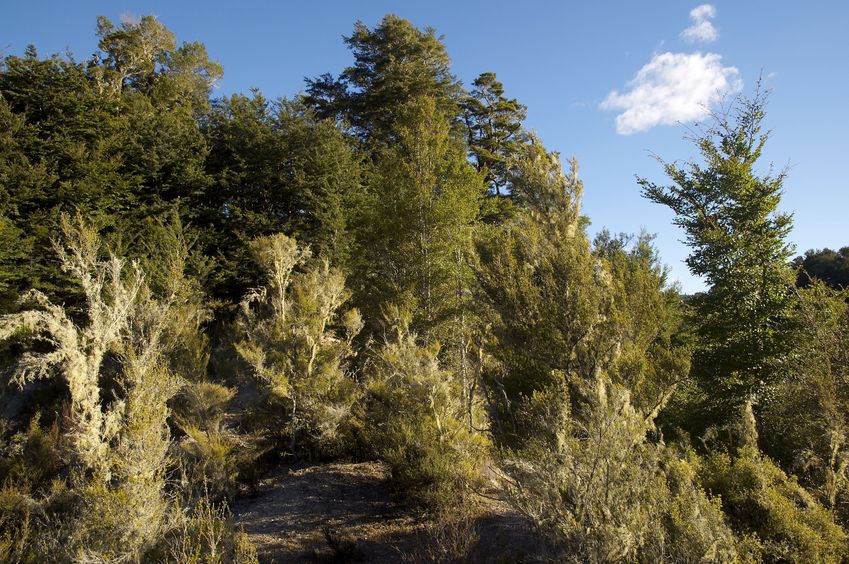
391, 266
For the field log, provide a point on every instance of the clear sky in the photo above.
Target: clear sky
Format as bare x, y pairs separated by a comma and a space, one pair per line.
609, 82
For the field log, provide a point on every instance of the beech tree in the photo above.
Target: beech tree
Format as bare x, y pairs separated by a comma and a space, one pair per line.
274, 167
738, 238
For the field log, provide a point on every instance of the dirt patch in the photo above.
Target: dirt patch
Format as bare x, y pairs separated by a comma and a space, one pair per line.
346, 512
296, 507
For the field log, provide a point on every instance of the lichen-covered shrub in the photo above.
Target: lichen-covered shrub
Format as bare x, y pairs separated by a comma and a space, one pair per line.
296, 339
589, 478
780, 521
112, 503
416, 422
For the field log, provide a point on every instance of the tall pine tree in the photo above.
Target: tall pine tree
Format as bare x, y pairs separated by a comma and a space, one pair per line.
494, 125
394, 63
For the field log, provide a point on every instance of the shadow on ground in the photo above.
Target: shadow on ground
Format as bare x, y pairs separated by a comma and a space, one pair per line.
346, 512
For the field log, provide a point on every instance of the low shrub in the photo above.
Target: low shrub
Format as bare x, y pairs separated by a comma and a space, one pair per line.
778, 519
416, 422
592, 482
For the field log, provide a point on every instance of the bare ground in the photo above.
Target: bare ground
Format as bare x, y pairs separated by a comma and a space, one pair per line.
346, 512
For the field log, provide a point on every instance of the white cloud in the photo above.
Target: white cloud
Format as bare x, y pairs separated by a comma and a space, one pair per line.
703, 12
701, 30
672, 88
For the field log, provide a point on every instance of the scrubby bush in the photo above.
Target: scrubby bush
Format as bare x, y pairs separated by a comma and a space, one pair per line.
804, 418
213, 454
590, 479
32, 457
297, 341
29, 464
416, 422
453, 537
779, 520
206, 535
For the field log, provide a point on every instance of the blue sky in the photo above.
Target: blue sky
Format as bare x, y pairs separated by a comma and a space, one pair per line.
600, 79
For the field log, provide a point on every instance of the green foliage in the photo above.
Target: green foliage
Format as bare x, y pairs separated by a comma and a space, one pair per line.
738, 239
557, 304
780, 521
56, 155
589, 478
28, 530
804, 424
174, 267
79, 353
297, 342
416, 422
32, 457
538, 276
30, 462
417, 221
76, 144
394, 64
694, 526
646, 320
213, 454
123, 436
144, 56
830, 267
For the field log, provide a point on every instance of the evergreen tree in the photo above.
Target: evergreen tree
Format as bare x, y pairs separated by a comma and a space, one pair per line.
394, 64
117, 155
416, 227
494, 125
61, 152
738, 245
